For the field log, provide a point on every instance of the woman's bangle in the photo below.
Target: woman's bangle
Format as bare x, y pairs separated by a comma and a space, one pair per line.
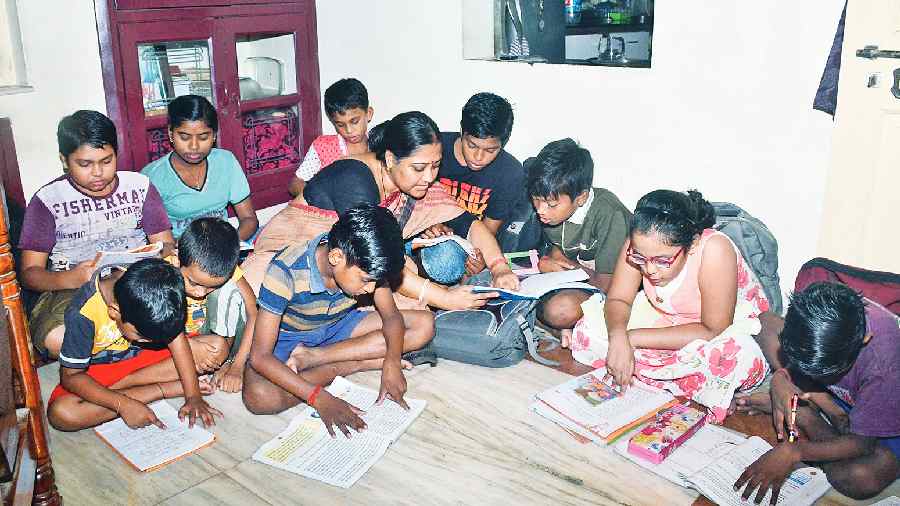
422, 290
311, 400
495, 262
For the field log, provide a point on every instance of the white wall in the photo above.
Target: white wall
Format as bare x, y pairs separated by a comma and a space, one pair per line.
726, 107
62, 58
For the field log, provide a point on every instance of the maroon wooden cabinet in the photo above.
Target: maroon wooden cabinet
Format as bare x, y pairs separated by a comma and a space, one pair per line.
256, 60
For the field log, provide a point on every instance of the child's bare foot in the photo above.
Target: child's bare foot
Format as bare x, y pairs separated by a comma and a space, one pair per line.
757, 403
300, 358
207, 385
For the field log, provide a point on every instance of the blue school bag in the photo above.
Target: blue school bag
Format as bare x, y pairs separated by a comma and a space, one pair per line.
757, 245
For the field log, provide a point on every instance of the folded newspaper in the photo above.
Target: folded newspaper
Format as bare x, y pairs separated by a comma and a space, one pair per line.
306, 448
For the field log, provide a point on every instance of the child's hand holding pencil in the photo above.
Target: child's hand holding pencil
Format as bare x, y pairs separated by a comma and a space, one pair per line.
792, 424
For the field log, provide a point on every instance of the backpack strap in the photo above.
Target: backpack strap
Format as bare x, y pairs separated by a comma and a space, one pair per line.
532, 342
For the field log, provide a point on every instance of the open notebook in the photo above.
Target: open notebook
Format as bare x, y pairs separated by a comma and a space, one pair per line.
534, 286
306, 448
150, 448
596, 410
108, 258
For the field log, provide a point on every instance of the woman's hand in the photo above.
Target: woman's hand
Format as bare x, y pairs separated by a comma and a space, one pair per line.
475, 264
339, 413
436, 231
462, 297
620, 360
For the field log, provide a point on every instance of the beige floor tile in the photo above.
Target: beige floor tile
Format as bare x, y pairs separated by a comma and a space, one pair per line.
219, 490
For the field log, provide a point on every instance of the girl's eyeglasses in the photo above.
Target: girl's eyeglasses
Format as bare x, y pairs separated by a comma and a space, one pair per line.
661, 262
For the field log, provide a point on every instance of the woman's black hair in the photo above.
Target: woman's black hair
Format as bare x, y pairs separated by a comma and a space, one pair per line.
192, 108
403, 134
824, 331
85, 127
675, 216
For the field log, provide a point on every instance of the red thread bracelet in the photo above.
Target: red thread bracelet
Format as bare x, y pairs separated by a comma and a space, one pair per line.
311, 400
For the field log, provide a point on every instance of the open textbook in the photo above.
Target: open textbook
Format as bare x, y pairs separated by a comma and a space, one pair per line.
597, 410
108, 258
715, 457
306, 448
533, 287
716, 479
150, 448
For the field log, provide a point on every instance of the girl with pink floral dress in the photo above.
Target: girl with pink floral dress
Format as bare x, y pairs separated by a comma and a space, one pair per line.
691, 329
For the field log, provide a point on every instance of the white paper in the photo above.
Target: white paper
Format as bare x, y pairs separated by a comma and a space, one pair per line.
306, 448
535, 286
151, 446
539, 408
578, 400
700, 450
466, 245
716, 480
129, 257
889, 501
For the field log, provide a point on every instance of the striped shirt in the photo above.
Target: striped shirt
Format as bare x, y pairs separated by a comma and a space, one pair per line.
294, 289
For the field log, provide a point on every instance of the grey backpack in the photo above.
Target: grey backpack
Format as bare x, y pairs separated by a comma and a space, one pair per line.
497, 335
757, 245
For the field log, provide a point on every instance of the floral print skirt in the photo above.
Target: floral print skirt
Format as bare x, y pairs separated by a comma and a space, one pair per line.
709, 372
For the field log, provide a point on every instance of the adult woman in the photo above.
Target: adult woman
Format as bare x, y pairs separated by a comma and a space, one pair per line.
196, 179
397, 174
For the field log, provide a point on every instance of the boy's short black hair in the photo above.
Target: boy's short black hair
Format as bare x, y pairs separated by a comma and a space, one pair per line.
346, 94
150, 296
371, 239
85, 127
487, 115
213, 244
561, 168
824, 331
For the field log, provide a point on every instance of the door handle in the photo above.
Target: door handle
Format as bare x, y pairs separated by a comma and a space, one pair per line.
873, 53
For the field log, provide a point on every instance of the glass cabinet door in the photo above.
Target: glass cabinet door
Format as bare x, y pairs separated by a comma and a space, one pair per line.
271, 80
163, 66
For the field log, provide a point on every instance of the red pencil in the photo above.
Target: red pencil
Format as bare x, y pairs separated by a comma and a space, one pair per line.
792, 426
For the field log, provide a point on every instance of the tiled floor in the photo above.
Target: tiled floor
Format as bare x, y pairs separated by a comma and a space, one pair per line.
476, 443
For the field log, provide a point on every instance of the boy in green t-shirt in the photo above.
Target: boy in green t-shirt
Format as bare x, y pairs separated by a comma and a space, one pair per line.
584, 227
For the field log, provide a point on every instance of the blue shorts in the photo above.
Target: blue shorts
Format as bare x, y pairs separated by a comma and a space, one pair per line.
891, 443
322, 336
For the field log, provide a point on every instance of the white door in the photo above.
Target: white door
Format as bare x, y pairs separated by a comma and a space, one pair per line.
860, 223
